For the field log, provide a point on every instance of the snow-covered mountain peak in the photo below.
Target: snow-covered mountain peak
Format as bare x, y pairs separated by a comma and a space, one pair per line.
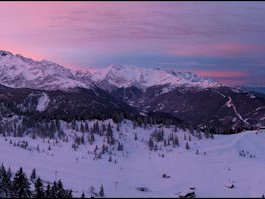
4, 53
18, 71
45, 61
126, 76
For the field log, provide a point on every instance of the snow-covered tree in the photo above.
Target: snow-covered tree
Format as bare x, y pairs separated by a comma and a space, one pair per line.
33, 175
21, 185
187, 146
39, 189
101, 191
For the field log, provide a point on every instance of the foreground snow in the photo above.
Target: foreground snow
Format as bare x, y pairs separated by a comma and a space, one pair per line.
217, 167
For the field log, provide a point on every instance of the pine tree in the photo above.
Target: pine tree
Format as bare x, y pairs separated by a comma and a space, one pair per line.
21, 185
155, 147
211, 135
151, 144
135, 136
9, 174
120, 146
48, 192
118, 127
101, 191
39, 190
168, 141
82, 128
109, 130
165, 143
60, 190
54, 189
92, 138
2, 170
110, 158
187, 146
73, 124
69, 194
5, 184
83, 139
176, 141
199, 135
33, 175
86, 127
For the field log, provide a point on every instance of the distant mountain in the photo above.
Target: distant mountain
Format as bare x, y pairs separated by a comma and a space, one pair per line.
257, 89
47, 90
222, 107
18, 71
143, 78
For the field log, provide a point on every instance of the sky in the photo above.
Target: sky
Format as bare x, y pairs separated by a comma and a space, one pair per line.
220, 40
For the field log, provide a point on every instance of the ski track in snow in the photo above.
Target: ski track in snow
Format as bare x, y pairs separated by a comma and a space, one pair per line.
138, 166
229, 104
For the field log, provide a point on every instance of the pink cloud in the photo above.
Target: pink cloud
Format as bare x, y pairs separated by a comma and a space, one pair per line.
221, 49
231, 81
95, 33
226, 77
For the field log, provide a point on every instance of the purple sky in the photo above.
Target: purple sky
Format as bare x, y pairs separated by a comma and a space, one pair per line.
222, 40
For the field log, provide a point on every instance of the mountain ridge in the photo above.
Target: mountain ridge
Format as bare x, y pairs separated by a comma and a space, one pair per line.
18, 71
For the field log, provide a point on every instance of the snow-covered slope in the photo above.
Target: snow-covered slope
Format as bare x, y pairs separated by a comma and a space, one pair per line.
210, 166
19, 72
126, 76
43, 102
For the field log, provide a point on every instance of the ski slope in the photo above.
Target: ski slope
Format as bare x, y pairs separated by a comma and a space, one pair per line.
217, 165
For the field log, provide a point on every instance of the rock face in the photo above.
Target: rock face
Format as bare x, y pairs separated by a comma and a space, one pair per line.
46, 89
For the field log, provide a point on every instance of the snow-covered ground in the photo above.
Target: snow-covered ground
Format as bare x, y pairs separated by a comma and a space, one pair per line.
43, 102
211, 170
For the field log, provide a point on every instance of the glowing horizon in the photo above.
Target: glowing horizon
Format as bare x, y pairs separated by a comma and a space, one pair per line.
221, 40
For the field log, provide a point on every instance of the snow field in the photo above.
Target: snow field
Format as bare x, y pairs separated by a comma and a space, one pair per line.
217, 165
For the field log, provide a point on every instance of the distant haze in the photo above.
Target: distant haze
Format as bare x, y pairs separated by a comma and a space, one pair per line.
221, 40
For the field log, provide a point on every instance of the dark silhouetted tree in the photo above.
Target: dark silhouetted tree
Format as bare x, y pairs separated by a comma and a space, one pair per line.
21, 185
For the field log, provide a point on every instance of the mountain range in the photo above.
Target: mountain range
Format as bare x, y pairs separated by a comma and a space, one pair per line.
44, 89
20, 72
